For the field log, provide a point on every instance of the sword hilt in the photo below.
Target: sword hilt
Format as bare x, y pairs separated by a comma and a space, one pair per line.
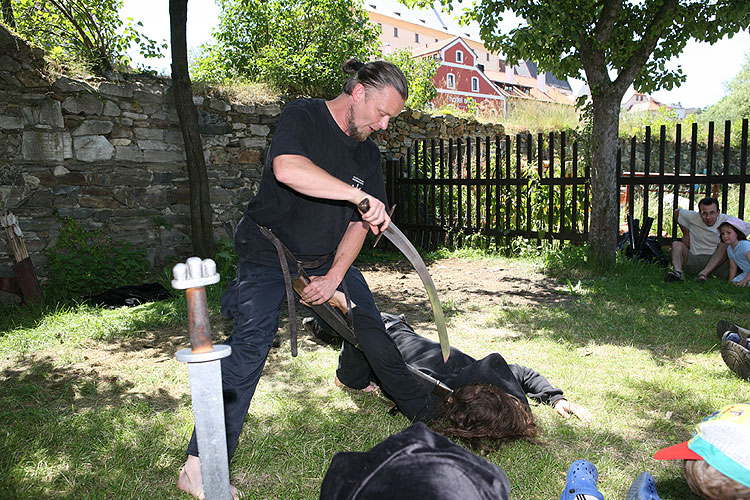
364, 207
390, 215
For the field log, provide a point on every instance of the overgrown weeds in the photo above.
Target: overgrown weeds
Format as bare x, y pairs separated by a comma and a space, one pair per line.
239, 92
88, 261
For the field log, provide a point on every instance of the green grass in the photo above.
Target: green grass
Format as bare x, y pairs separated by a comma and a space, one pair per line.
237, 92
94, 405
535, 116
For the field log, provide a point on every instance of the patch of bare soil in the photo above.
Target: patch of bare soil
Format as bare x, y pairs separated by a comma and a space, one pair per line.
462, 285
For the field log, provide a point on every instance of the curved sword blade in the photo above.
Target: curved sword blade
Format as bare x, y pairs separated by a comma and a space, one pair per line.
399, 239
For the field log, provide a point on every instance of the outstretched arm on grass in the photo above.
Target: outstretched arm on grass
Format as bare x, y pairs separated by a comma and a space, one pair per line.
565, 408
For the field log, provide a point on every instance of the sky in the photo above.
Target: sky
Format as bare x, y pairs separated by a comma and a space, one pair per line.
708, 67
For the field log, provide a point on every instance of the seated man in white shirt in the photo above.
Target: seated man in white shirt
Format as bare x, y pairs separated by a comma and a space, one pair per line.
701, 250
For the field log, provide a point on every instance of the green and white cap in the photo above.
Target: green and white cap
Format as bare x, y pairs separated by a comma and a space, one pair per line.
722, 440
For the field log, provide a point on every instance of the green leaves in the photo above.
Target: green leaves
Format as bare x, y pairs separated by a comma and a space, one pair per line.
736, 104
296, 46
83, 31
419, 73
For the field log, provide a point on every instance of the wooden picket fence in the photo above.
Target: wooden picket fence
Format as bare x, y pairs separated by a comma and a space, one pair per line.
537, 187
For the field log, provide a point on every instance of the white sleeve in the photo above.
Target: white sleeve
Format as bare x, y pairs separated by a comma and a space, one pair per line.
687, 218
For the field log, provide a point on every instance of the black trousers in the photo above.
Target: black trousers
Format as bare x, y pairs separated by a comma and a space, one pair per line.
254, 301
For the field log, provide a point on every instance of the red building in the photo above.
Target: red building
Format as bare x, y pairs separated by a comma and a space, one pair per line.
460, 79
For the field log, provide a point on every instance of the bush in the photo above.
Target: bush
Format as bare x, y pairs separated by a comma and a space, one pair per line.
296, 47
84, 262
226, 259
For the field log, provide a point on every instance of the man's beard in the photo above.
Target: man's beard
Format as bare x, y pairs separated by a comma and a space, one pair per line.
351, 128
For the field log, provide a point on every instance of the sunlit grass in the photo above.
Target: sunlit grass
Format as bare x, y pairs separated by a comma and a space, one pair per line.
102, 410
238, 92
42, 326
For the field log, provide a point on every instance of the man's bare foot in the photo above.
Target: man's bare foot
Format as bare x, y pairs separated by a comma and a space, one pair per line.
372, 387
190, 480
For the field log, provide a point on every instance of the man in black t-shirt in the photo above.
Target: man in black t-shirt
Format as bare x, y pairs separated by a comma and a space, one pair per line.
320, 166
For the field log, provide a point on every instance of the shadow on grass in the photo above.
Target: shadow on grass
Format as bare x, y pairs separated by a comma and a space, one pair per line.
73, 433
537, 292
266, 455
76, 434
635, 308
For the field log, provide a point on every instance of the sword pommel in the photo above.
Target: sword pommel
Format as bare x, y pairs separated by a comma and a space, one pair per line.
364, 206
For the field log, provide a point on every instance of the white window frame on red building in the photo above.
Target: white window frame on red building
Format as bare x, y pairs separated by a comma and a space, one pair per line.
451, 92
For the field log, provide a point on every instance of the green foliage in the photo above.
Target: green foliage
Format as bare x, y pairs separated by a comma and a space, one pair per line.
562, 36
295, 46
736, 104
226, 259
419, 73
453, 110
88, 261
471, 106
83, 31
523, 115
237, 91
634, 125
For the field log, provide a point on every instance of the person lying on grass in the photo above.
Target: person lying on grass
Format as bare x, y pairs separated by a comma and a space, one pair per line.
489, 398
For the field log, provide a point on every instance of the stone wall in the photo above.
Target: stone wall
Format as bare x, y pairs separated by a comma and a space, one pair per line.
412, 125
108, 152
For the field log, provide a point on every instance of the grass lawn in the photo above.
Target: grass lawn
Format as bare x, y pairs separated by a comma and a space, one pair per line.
93, 404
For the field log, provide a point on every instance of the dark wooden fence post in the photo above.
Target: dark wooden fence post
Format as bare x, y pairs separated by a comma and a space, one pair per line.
743, 168
391, 171
474, 200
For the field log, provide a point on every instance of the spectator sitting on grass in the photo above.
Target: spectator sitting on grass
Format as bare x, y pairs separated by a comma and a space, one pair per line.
734, 235
716, 460
735, 347
701, 251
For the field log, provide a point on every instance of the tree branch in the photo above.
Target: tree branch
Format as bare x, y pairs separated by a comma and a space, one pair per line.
646, 46
594, 64
607, 18
8, 17
93, 26
84, 38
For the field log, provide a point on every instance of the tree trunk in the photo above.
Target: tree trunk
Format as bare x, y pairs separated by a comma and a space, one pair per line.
200, 203
603, 229
8, 13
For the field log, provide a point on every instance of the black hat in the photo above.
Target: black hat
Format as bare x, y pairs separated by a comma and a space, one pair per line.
415, 463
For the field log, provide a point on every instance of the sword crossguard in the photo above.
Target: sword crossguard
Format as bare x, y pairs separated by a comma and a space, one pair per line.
380, 235
364, 207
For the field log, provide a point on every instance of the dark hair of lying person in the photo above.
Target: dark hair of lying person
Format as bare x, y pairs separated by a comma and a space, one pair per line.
485, 415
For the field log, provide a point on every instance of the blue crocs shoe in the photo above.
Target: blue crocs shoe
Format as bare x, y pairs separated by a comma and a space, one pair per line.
581, 480
643, 488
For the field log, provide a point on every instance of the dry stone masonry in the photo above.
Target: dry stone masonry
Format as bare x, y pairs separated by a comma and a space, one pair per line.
109, 153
